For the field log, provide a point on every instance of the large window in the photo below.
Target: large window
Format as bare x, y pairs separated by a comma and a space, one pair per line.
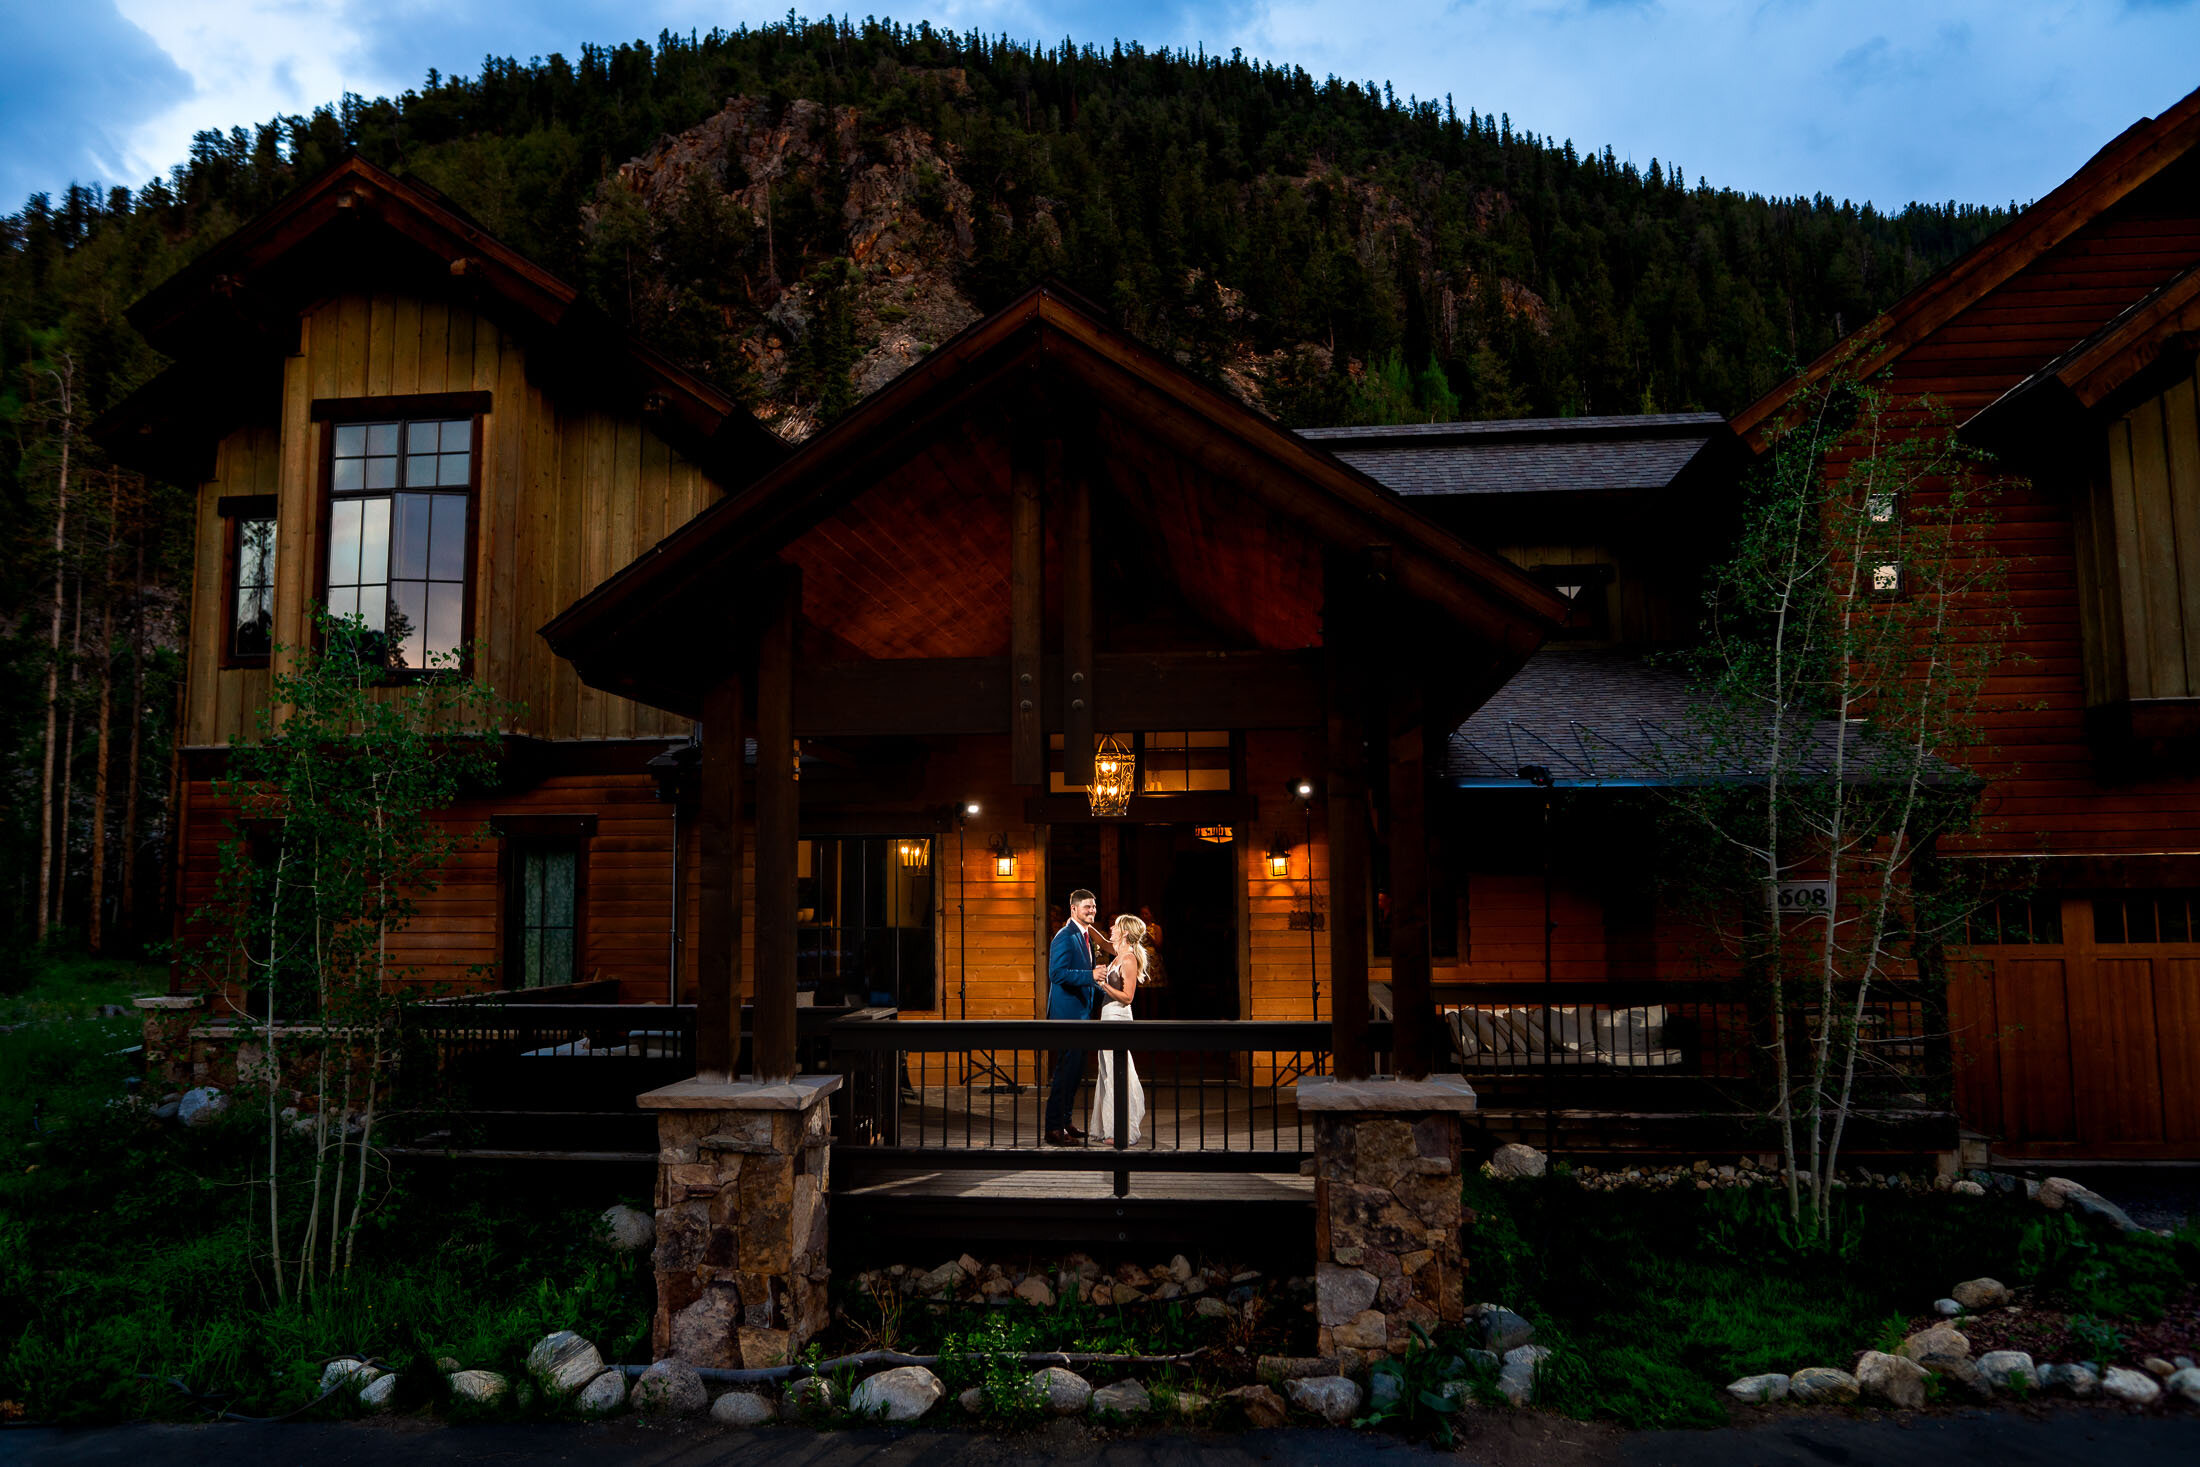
865, 907
400, 506
249, 527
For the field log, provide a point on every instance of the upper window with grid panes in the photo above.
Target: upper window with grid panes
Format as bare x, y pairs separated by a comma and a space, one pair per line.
400, 507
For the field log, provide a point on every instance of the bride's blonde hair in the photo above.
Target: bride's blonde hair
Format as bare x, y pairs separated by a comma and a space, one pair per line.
1132, 931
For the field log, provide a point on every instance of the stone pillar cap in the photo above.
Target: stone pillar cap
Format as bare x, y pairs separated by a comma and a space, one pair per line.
1385, 1093
800, 1093
171, 1001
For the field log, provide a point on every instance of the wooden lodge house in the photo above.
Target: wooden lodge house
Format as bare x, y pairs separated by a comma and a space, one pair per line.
814, 739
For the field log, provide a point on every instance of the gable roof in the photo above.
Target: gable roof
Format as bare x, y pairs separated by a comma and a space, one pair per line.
2129, 161
234, 308
1526, 455
2160, 330
1040, 341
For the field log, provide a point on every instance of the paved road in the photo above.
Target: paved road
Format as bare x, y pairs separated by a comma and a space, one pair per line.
2051, 1438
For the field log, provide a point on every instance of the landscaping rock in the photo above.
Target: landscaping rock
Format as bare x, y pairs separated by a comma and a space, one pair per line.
1180, 1269
1487, 1360
199, 1107
940, 1280
2184, 1384
1034, 1290
603, 1395
2009, 1370
2157, 1367
628, 1229
1124, 1398
902, 1394
1275, 1369
1516, 1377
2076, 1381
742, 1408
972, 1401
670, 1388
1341, 1293
349, 1370
1189, 1403
2093, 1207
1758, 1390
1968, 1189
1820, 1385
2055, 1192
1893, 1379
1977, 1294
1207, 1306
811, 1393
478, 1387
1384, 1391
1504, 1330
563, 1362
447, 1364
1947, 1308
380, 1393
1262, 1406
1942, 1344
1065, 1392
1334, 1398
1514, 1160
2133, 1386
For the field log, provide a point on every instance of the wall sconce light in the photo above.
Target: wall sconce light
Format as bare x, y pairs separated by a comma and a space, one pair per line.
1279, 856
1004, 855
916, 854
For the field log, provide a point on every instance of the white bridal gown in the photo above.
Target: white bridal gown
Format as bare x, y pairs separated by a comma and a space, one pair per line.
1103, 1096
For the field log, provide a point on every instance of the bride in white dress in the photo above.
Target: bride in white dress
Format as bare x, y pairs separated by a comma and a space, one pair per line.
1120, 985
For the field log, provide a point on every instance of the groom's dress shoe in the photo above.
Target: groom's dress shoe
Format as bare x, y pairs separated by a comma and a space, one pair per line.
1078, 1132
1063, 1138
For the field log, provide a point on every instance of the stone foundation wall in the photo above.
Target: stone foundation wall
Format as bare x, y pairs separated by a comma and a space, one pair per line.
741, 1234
1386, 1229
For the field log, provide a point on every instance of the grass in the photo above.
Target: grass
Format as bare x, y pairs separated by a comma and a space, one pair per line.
1655, 1300
75, 987
132, 1247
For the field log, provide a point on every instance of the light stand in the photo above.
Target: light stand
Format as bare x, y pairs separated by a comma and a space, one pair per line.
981, 1062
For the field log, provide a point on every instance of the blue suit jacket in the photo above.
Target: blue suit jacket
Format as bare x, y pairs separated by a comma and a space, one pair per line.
1071, 993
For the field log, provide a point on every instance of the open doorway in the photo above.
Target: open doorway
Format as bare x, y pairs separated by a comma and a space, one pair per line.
1176, 880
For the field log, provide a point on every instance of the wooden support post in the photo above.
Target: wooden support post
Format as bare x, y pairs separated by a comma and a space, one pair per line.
1412, 1008
1077, 668
1026, 609
1343, 646
718, 930
777, 831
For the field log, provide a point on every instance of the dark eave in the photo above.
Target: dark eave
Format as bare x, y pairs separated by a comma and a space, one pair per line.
355, 226
1528, 456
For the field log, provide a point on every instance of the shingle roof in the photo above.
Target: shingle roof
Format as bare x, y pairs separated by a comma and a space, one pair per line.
1525, 455
1603, 718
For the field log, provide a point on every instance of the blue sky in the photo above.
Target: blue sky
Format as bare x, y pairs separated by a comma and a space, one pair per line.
1889, 100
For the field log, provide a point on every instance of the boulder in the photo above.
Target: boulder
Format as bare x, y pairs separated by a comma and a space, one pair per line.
380, 1393
2077, 1381
348, 1370
200, 1107
2055, 1191
1759, 1390
2133, 1386
742, 1408
1334, 1398
1262, 1406
1034, 1290
2185, 1385
1941, 1343
1207, 1306
603, 1395
2093, 1207
562, 1363
1819, 1385
628, 1229
670, 1388
1893, 1380
812, 1393
1065, 1392
1503, 1330
1189, 1403
902, 1394
941, 1280
1516, 1377
972, 1401
2157, 1367
478, 1387
1947, 1308
1968, 1189
1385, 1391
1124, 1398
447, 1364
2009, 1370
1979, 1294
1514, 1160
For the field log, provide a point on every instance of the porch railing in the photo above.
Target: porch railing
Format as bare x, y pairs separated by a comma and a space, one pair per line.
973, 1094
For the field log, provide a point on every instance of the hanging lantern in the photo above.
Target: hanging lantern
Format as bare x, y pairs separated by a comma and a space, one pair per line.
1114, 767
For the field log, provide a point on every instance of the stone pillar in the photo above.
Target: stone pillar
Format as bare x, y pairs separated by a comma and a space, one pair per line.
741, 1186
168, 1022
1387, 1254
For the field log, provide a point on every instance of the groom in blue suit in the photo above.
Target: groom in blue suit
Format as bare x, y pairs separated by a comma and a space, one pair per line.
1071, 994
